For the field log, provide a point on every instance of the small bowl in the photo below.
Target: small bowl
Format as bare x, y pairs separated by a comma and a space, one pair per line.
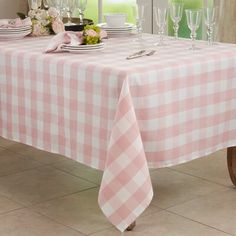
115, 20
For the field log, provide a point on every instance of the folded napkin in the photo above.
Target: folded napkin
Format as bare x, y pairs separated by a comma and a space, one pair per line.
64, 38
14, 23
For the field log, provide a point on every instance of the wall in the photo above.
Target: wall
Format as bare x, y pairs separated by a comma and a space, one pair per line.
227, 24
8, 8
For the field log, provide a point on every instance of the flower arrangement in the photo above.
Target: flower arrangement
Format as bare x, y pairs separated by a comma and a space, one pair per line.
91, 35
45, 22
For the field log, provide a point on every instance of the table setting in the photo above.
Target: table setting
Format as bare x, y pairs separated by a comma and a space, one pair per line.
11, 29
121, 104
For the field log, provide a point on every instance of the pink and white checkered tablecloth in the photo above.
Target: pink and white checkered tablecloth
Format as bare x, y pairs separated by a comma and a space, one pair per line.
118, 115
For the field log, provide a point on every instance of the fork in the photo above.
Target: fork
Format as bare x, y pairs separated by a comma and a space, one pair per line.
135, 55
141, 54
150, 53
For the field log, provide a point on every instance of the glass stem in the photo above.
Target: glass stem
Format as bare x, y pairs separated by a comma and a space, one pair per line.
81, 18
161, 34
176, 29
69, 17
139, 29
193, 37
210, 35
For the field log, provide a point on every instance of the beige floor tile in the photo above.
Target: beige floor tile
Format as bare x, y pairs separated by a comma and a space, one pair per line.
5, 142
172, 188
36, 154
80, 170
7, 205
212, 167
164, 224
27, 223
11, 162
80, 211
217, 210
40, 184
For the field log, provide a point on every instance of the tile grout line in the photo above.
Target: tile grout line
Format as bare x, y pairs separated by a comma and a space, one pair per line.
46, 216
16, 209
22, 171
45, 201
58, 222
59, 197
210, 181
67, 172
198, 222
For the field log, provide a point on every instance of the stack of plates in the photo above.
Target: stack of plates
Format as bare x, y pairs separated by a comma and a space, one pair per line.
83, 48
14, 32
118, 31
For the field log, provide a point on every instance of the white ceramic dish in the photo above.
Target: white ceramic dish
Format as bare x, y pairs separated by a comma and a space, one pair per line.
115, 20
17, 29
4, 37
127, 26
83, 48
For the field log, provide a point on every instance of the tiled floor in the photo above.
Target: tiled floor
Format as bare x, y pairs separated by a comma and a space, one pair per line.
43, 194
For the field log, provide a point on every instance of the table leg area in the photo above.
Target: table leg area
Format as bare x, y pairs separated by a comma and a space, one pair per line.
131, 226
231, 160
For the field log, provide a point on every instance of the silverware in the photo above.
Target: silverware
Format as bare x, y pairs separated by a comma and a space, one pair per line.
136, 54
141, 54
150, 53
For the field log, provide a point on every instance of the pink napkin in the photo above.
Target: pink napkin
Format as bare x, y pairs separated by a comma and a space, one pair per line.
64, 38
14, 23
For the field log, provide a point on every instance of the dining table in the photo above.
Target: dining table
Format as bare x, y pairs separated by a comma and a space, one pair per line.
121, 116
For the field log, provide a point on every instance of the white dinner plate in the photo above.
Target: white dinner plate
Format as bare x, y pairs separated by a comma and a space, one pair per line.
83, 48
17, 29
88, 46
14, 32
14, 36
127, 26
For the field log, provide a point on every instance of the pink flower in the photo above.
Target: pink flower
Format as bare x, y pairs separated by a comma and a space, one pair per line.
39, 30
91, 33
53, 12
58, 26
103, 34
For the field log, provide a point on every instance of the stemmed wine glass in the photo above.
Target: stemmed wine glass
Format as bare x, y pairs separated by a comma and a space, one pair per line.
69, 6
54, 3
81, 4
138, 11
161, 20
210, 18
176, 12
193, 22
34, 4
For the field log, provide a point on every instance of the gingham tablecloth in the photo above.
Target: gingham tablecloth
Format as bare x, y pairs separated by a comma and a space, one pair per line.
121, 116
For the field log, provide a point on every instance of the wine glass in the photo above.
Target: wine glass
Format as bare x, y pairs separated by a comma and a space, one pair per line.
138, 11
54, 3
161, 14
34, 4
81, 4
69, 6
210, 18
176, 12
193, 21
